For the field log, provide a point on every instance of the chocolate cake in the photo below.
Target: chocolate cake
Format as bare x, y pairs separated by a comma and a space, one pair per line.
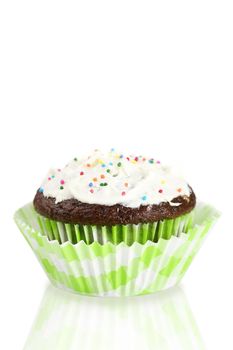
112, 189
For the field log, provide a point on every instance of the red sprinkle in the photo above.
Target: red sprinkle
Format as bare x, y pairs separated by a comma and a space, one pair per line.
127, 158
123, 193
91, 190
136, 158
62, 182
160, 191
49, 178
81, 173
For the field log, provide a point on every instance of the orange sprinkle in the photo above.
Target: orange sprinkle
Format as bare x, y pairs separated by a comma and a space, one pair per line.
179, 189
94, 179
102, 176
126, 184
88, 165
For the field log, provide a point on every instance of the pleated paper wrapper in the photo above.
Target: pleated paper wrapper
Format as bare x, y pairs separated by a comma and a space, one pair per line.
105, 267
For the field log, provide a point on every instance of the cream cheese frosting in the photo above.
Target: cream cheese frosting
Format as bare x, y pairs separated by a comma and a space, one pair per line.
112, 178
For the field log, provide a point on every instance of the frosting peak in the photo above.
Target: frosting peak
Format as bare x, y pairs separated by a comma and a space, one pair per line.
112, 178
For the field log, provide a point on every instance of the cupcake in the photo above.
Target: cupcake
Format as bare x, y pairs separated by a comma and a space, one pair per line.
110, 224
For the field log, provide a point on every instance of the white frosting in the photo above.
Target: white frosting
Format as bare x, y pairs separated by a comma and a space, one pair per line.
112, 178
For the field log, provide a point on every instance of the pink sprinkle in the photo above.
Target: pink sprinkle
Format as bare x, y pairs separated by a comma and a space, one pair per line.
123, 193
58, 169
49, 178
127, 158
160, 191
136, 159
158, 162
81, 173
62, 182
91, 190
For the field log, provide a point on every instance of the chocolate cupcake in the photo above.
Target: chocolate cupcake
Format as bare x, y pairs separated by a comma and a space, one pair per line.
112, 190
110, 224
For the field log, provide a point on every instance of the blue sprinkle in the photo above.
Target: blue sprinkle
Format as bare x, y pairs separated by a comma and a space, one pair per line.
103, 165
90, 184
121, 156
52, 176
144, 198
112, 149
111, 163
41, 190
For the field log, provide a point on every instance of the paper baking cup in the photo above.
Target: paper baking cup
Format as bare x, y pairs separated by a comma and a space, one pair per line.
117, 269
141, 233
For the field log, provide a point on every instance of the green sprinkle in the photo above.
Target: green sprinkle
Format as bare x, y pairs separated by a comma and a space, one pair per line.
119, 164
108, 170
61, 187
103, 184
75, 159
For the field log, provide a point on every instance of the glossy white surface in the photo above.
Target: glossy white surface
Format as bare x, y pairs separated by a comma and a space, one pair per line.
149, 77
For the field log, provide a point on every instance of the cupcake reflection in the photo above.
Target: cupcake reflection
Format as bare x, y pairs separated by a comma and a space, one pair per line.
162, 321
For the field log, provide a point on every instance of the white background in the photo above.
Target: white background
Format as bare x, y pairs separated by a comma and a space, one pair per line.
145, 77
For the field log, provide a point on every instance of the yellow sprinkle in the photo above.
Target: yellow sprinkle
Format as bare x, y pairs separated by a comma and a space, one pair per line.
133, 161
163, 182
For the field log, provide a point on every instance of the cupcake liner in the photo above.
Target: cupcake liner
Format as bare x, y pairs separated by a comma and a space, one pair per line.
110, 269
162, 322
55, 230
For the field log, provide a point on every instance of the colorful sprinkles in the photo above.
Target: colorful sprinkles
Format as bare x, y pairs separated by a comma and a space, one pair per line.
102, 171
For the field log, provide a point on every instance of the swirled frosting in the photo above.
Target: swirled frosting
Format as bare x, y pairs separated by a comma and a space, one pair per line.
112, 178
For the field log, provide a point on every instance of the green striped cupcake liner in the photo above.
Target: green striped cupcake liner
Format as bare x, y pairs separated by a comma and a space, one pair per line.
141, 233
110, 269
163, 322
